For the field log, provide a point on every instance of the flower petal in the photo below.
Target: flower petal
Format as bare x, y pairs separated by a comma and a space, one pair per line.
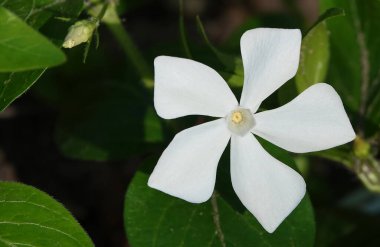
269, 189
313, 121
186, 87
187, 168
270, 58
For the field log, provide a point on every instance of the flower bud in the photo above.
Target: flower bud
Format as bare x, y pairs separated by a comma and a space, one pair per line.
362, 148
80, 32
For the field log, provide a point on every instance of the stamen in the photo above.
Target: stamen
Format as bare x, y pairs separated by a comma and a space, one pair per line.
237, 117
240, 121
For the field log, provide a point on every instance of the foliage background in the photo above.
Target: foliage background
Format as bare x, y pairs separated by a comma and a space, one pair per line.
84, 130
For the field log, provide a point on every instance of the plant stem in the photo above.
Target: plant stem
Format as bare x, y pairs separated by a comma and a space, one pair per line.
130, 49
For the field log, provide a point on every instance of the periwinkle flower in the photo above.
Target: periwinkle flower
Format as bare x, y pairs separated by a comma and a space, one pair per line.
313, 121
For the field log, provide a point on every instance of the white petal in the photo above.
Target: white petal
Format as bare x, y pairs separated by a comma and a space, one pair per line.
270, 58
315, 120
186, 87
269, 189
187, 168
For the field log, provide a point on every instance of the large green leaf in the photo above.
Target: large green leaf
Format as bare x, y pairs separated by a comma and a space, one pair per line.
315, 53
22, 48
355, 65
35, 13
29, 217
153, 218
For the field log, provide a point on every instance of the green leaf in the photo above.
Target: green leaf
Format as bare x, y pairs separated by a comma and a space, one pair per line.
37, 12
22, 48
30, 217
315, 52
354, 69
110, 124
153, 218
12, 85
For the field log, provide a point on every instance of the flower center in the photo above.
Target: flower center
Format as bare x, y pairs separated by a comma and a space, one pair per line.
237, 117
240, 121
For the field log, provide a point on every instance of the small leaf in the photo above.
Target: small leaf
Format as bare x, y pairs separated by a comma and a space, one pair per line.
22, 48
315, 52
30, 217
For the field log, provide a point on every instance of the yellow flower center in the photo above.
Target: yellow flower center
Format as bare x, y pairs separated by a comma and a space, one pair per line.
237, 117
240, 121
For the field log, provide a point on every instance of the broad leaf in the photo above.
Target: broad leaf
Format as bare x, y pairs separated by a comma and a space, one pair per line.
30, 217
153, 218
22, 48
35, 13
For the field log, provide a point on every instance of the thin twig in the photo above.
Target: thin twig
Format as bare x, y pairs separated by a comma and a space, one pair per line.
216, 218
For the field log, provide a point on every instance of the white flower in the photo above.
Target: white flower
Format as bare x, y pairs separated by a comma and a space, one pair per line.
313, 121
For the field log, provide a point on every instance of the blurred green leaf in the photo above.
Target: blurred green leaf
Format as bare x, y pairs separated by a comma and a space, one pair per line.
106, 121
153, 218
355, 65
315, 52
23, 48
329, 13
29, 217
